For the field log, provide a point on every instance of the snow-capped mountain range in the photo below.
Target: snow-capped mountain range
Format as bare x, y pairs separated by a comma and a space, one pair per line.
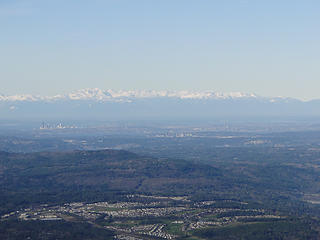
96, 94
153, 105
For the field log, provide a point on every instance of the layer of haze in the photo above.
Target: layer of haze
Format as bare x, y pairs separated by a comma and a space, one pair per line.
269, 47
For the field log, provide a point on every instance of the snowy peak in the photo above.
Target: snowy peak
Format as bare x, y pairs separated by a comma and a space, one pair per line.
25, 97
89, 93
96, 94
101, 95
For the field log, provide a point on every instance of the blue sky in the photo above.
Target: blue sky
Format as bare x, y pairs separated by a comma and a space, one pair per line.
267, 47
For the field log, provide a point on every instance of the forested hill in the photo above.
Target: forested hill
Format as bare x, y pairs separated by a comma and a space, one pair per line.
59, 177
51, 177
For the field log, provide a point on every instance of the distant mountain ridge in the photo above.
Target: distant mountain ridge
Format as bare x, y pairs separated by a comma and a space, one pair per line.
97, 104
97, 94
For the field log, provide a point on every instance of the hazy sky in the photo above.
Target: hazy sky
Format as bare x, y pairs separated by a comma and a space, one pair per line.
269, 47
